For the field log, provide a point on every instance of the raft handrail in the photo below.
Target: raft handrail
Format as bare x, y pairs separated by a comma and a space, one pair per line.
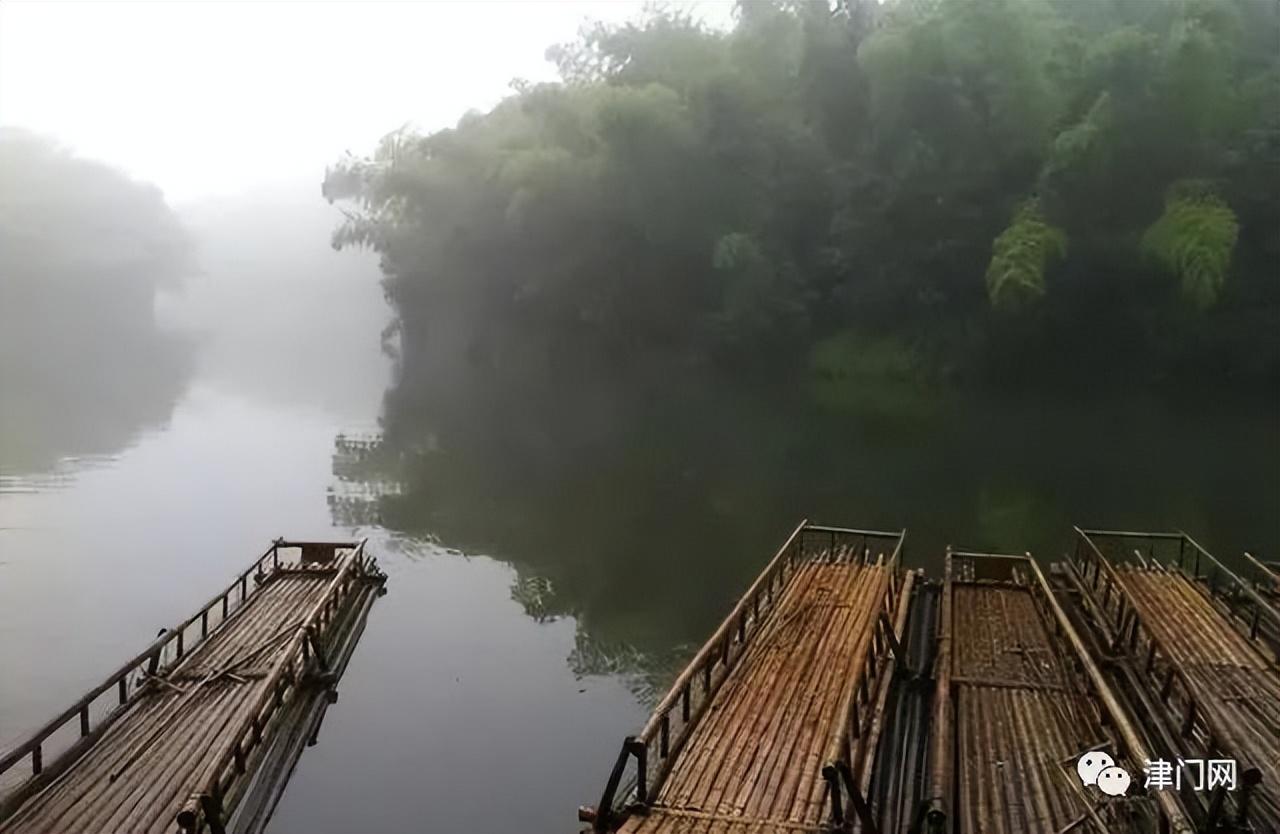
714, 642
1129, 629
656, 740
1188, 547
1267, 571
1118, 718
304, 650
845, 791
1261, 607
150, 657
150, 661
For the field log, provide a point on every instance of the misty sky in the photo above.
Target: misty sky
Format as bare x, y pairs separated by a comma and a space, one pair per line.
206, 98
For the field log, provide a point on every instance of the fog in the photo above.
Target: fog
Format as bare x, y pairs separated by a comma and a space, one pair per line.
277, 314
229, 114
573, 309
208, 98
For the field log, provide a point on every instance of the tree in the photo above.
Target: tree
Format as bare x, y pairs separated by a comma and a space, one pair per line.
741, 196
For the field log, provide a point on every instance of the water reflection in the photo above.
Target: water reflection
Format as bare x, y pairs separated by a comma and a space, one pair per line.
84, 399
643, 510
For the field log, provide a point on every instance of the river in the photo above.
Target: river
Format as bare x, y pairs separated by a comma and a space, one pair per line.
550, 557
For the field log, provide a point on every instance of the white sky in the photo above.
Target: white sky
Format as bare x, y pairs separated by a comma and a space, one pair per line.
205, 98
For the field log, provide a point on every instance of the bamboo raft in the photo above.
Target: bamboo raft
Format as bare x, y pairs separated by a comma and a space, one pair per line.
1197, 659
201, 731
1018, 700
773, 724
845, 694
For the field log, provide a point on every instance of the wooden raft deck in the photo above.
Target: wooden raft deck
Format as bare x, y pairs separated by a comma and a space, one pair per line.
1017, 706
206, 740
758, 729
1195, 637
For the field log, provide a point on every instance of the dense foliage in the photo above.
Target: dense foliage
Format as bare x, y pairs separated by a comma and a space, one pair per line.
1016, 188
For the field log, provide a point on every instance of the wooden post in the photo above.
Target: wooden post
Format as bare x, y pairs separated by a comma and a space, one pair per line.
860, 806
84, 720
212, 814
833, 782
642, 771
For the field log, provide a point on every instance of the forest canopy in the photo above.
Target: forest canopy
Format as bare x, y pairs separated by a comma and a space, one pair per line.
994, 189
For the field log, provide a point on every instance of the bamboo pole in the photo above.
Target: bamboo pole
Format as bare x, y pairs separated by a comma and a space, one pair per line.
1119, 719
940, 766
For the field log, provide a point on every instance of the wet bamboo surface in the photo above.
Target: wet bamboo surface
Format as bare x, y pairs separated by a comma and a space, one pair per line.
1233, 682
1021, 720
161, 750
753, 764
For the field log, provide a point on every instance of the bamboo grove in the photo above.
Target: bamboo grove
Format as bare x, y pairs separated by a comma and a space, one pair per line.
932, 189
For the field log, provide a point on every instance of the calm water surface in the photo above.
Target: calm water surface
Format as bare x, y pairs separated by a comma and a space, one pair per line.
551, 560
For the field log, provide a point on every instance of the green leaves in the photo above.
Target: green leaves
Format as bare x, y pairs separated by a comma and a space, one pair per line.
1194, 240
814, 170
1020, 256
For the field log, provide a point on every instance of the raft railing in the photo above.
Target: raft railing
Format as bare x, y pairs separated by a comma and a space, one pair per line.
1264, 576
306, 653
1154, 665
653, 750
96, 711
1258, 617
852, 748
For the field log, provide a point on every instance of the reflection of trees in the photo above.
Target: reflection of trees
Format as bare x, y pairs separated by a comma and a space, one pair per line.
626, 513
83, 250
643, 508
72, 399
647, 675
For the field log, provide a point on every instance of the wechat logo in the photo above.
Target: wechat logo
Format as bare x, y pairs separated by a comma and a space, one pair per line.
1098, 769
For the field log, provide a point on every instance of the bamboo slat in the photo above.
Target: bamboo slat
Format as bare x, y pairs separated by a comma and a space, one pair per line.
753, 764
